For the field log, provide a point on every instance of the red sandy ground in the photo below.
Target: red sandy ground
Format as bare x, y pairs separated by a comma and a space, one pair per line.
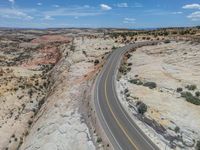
51, 38
49, 53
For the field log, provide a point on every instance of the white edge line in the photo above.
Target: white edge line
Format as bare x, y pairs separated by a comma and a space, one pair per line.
131, 123
97, 82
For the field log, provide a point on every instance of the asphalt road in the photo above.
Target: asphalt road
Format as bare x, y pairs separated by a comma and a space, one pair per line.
120, 129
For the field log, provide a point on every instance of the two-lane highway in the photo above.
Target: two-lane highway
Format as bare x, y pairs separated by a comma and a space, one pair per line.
121, 130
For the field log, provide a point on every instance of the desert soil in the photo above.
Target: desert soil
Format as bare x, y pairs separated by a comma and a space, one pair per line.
171, 66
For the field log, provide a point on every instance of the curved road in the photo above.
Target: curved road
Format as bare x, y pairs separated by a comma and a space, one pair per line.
121, 130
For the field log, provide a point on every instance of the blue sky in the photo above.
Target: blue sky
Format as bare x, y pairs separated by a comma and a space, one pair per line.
99, 13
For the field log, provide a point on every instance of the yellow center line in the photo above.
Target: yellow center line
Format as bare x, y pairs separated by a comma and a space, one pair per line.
119, 124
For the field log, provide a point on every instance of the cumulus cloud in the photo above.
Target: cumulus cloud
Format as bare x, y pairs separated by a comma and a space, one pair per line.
195, 16
105, 7
191, 6
122, 5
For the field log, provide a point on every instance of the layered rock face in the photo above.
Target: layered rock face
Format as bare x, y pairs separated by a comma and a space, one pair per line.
25, 82
45, 80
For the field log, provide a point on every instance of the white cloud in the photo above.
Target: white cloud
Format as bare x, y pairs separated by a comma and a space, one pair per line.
122, 5
47, 17
14, 14
195, 16
12, 1
105, 7
130, 21
191, 6
86, 6
138, 5
177, 13
78, 11
56, 6
39, 4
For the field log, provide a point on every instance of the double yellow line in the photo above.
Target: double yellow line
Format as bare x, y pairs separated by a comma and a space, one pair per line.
119, 124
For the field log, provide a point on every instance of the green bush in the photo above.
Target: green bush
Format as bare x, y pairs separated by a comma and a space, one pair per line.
72, 48
141, 107
177, 129
30, 123
130, 64
191, 87
128, 55
40, 103
198, 145
136, 81
190, 98
99, 140
167, 41
197, 94
96, 62
124, 69
126, 91
150, 85
113, 48
179, 89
